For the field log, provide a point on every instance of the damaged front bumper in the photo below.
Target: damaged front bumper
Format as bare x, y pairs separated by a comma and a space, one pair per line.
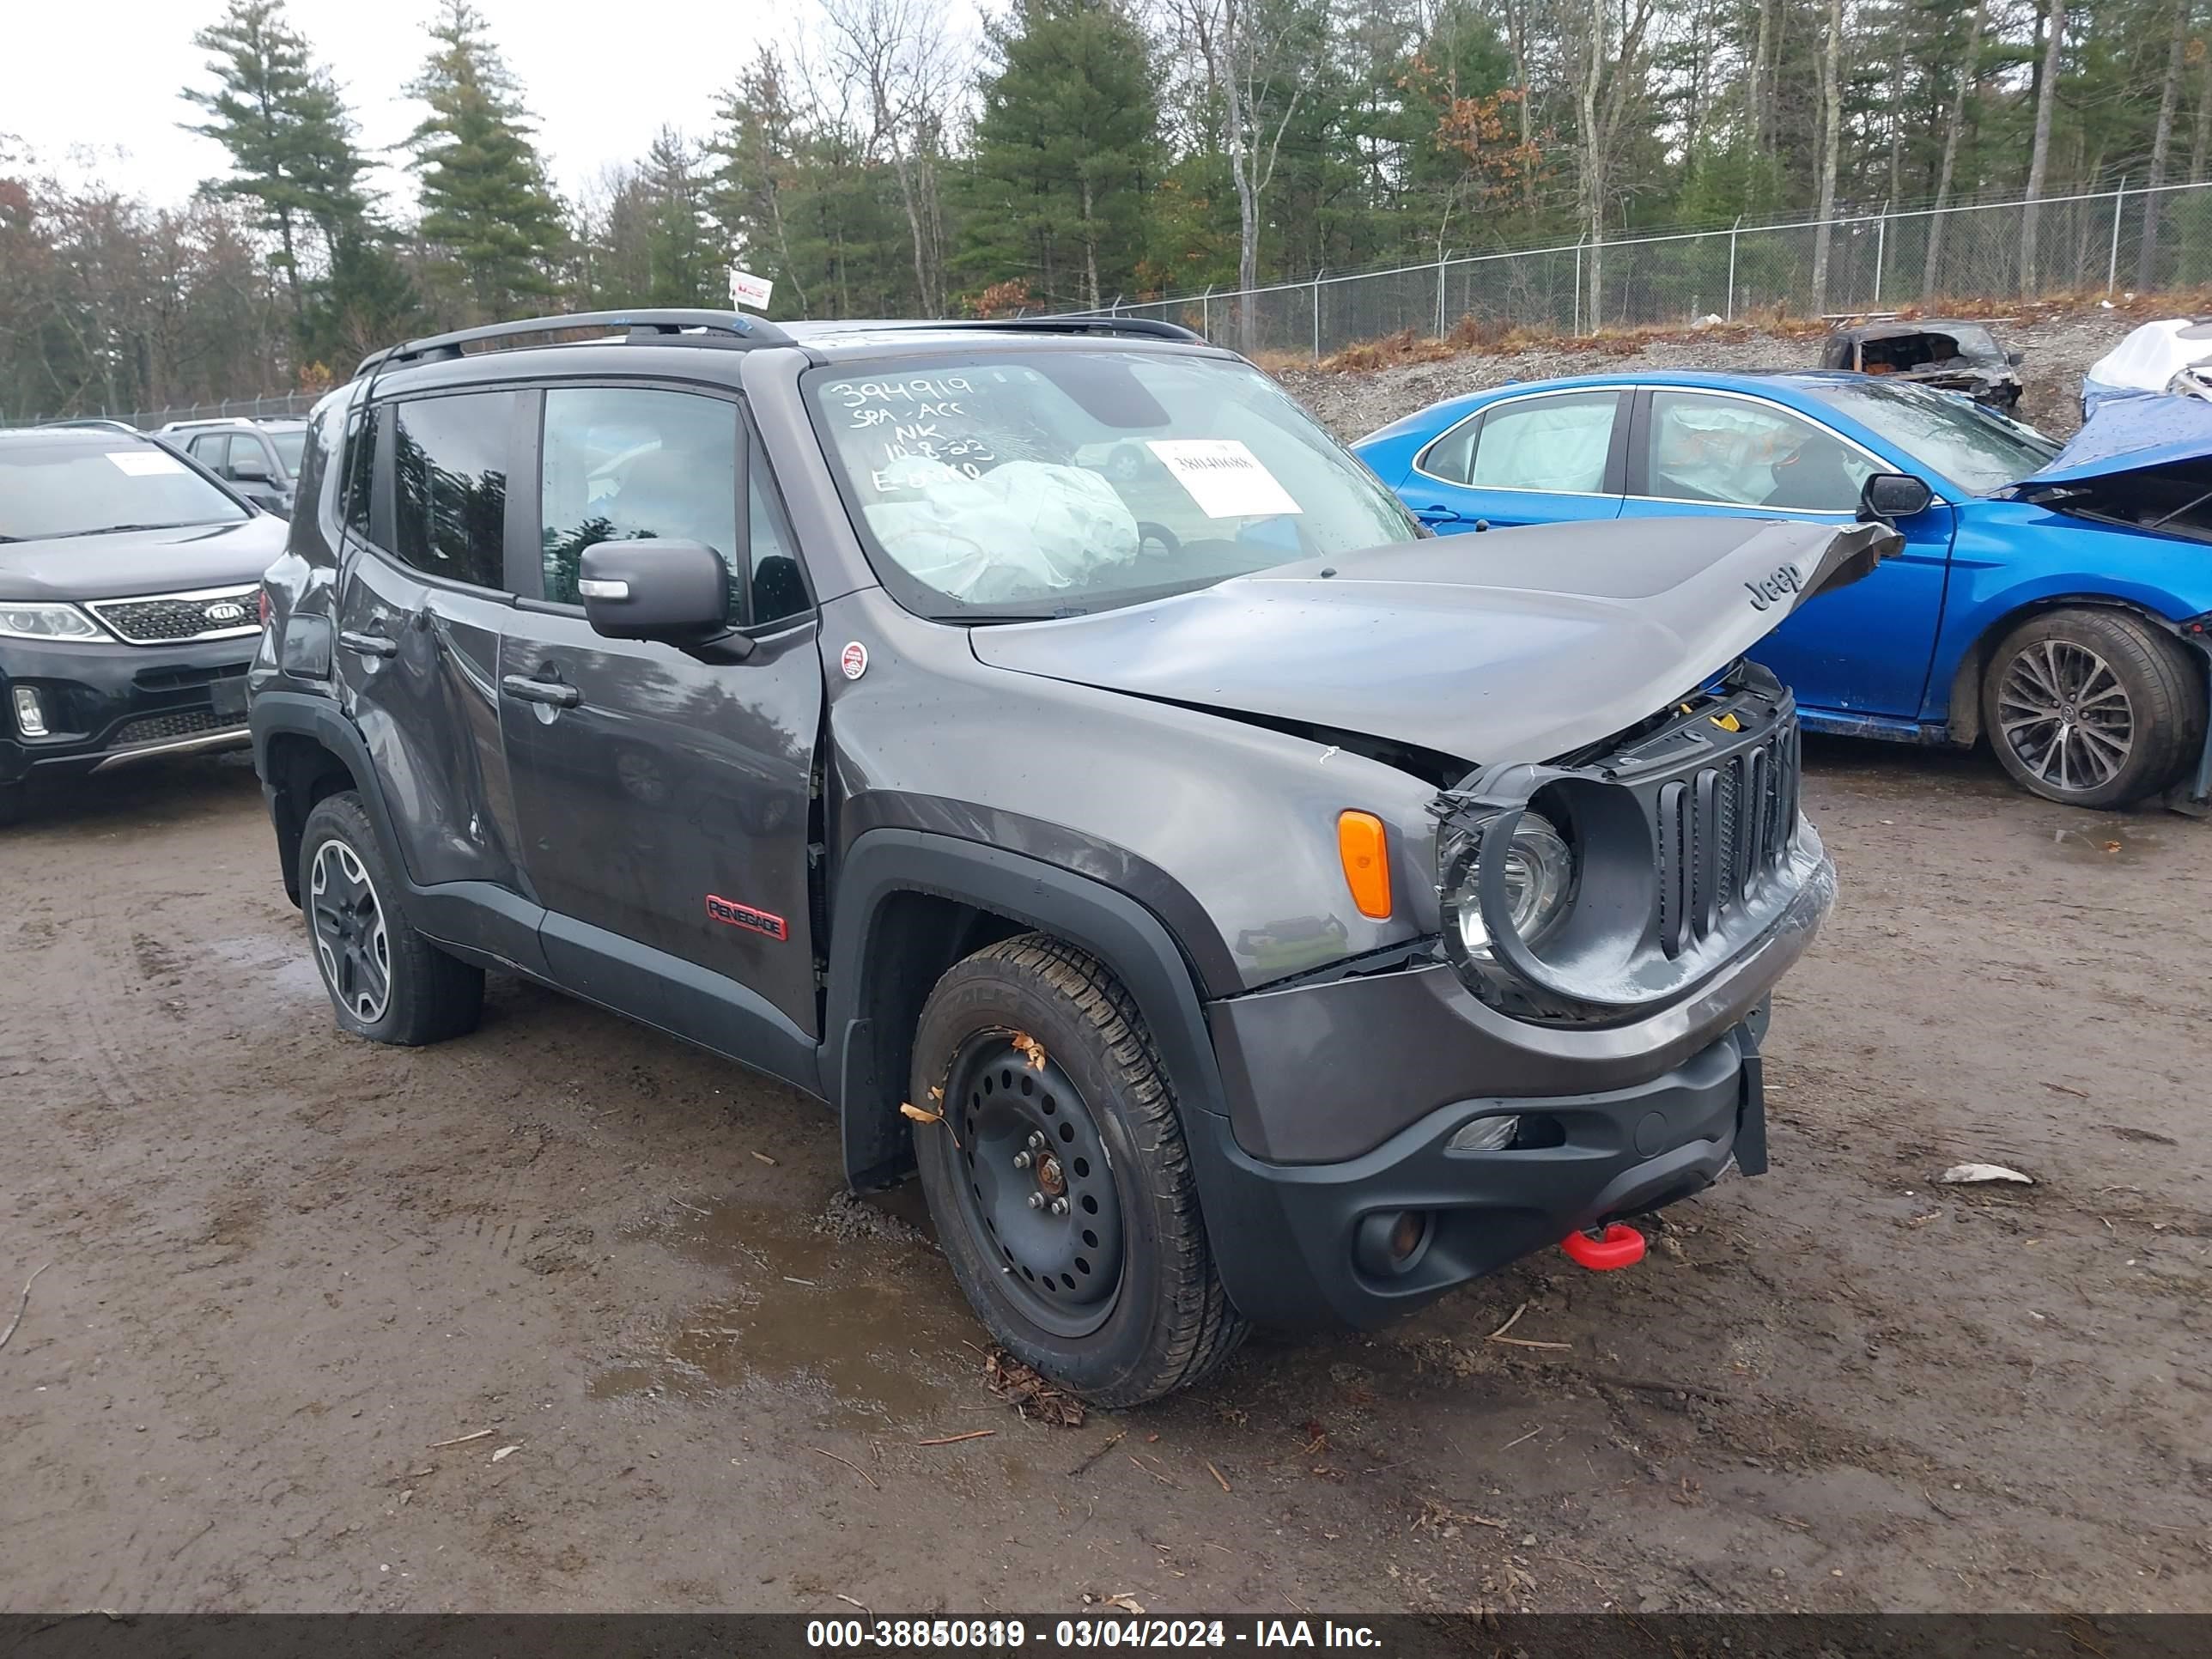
1625, 1043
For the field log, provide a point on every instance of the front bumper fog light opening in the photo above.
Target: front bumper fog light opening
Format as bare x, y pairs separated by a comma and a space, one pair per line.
1391, 1243
1484, 1134
30, 713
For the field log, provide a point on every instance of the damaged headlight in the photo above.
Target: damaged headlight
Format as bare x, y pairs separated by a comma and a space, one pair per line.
1540, 880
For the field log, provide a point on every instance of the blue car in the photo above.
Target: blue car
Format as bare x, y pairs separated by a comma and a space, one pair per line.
2057, 605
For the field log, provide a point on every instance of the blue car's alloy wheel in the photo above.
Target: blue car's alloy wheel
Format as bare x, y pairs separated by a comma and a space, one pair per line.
2093, 707
2066, 715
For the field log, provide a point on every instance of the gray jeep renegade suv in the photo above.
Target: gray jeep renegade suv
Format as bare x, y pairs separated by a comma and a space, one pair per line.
1043, 745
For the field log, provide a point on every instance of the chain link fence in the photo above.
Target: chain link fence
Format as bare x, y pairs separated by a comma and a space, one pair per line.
289, 404
2099, 242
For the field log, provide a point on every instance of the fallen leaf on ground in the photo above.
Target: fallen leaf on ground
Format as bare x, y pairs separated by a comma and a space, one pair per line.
764, 1158
1971, 1174
505, 1451
1023, 1388
1127, 1602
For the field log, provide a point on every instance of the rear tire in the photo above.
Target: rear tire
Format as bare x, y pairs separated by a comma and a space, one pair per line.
2091, 707
1088, 1260
387, 982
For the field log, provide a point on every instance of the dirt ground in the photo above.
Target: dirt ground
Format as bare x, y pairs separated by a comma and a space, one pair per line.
565, 1316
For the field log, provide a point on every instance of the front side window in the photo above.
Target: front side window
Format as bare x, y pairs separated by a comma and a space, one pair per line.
450, 465
779, 589
85, 484
1057, 481
1558, 444
1976, 448
1740, 452
212, 451
623, 463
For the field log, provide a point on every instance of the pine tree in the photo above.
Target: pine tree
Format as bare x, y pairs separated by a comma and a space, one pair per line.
486, 205
684, 265
1067, 141
287, 130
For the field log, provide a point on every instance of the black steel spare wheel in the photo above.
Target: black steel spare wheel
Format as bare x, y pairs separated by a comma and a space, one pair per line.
1059, 1176
351, 941
1038, 1185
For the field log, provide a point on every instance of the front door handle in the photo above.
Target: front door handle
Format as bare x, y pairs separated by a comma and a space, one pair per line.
1435, 515
522, 689
369, 645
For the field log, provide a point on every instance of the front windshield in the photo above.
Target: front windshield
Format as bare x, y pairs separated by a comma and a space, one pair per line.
1974, 341
290, 445
1055, 482
1976, 448
81, 486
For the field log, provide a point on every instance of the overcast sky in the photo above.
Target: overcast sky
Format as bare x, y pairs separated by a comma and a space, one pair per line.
601, 79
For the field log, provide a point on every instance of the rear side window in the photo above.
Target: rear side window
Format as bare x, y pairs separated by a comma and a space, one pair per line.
450, 467
362, 433
212, 452
1557, 444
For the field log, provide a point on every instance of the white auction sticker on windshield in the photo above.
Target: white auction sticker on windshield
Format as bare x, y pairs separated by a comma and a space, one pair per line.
141, 462
1223, 477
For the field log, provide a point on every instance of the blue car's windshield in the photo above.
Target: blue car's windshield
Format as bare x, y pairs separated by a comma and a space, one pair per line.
1976, 448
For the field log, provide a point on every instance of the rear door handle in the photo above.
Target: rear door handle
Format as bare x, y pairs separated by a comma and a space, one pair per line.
522, 689
369, 645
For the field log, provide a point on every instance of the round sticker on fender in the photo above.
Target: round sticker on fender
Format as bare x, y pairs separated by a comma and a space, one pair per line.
853, 660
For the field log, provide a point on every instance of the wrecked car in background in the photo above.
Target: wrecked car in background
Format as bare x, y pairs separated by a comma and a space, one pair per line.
2170, 357
1949, 356
1239, 907
2056, 604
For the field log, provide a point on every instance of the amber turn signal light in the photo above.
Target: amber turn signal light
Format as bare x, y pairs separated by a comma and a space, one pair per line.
1361, 844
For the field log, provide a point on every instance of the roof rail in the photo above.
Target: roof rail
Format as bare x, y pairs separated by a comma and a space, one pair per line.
727, 328
1144, 326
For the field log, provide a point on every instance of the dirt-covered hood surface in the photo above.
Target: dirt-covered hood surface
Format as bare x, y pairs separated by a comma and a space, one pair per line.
1508, 645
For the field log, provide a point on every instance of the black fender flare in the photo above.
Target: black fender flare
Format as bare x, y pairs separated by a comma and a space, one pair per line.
1128, 939
492, 926
300, 713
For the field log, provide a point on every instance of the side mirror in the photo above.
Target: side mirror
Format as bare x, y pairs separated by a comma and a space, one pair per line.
249, 469
1886, 497
2015, 358
677, 593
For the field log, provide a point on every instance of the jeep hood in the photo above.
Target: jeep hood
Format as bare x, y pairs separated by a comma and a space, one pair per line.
1505, 646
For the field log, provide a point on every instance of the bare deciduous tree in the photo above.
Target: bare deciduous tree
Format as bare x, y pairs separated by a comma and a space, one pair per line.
2038, 164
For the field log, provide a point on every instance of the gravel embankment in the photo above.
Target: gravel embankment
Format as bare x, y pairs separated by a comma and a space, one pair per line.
1351, 402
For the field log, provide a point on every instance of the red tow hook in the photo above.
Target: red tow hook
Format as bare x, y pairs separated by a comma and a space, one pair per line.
1619, 1246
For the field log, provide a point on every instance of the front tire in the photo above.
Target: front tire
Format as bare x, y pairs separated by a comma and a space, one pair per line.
387, 982
1060, 1180
2091, 707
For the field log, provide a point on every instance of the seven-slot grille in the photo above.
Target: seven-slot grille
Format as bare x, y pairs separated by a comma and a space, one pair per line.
212, 613
1724, 829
